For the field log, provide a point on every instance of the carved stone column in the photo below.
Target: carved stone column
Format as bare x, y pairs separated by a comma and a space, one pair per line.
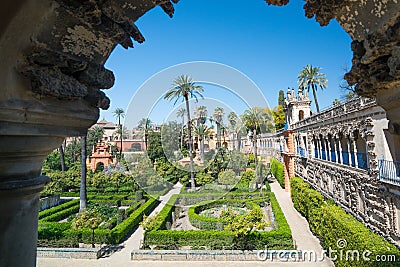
355, 152
349, 150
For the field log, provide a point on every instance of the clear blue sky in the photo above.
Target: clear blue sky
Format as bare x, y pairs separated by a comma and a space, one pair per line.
269, 44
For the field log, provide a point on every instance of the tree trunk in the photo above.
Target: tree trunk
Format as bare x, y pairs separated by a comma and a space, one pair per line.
120, 137
92, 238
255, 146
62, 157
82, 193
192, 181
315, 98
218, 135
183, 123
202, 150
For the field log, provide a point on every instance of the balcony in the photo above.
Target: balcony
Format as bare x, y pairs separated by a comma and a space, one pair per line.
389, 171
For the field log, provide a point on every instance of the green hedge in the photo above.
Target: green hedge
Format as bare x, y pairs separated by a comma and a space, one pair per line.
205, 223
165, 214
61, 214
277, 171
304, 198
194, 198
331, 223
280, 238
58, 208
53, 230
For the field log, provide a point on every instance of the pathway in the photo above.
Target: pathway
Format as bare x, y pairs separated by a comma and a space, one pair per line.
302, 235
300, 230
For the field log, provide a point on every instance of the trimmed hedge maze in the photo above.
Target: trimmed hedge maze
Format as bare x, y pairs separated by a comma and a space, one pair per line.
160, 237
52, 232
331, 223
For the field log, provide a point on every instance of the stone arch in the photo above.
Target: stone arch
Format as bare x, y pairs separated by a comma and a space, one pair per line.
49, 41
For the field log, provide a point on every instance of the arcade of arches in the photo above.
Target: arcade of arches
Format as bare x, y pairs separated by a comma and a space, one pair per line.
44, 42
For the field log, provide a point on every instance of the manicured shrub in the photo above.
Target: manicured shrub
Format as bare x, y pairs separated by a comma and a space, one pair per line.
279, 238
331, 223
305, 199
58, 208
61, 214
277, 171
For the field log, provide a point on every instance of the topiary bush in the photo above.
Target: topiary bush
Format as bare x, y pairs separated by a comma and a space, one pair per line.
277, 169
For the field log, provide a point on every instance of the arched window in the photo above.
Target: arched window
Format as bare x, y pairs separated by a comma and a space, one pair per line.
301, 115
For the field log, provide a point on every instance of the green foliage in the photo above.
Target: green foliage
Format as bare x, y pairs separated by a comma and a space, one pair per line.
248, 176
203, 178
87, 219
277, 171
149, 222
227, 177
331, 223
281, 98
56, 209
305, 199
61, 214
279, 238
279, 117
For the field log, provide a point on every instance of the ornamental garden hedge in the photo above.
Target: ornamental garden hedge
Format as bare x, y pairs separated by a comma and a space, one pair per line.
277, 171
160, 237
331, 223
52, 232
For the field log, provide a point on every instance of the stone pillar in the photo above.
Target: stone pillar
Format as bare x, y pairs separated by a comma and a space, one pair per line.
340, 158
355, 152
328, 149
288, 159
349, 150
336, 143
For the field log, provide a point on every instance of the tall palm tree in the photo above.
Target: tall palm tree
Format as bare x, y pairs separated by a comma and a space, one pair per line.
181, 113
311, 78
218, 116
253, 119
184, 87
144, 126
82, 191
119, 113
202, 131
202, 114
232, 118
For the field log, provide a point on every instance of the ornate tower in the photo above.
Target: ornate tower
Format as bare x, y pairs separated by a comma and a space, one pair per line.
297, 107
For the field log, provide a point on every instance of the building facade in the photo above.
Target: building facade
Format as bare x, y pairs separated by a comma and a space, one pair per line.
345, 152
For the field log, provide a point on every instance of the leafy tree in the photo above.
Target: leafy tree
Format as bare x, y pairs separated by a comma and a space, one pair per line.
99, 180
117, 178
155, 150
119, 113
149, 222
94, 136
227, 177
281, 98
279, 117
88, 219
203, 178
184, 87
248, 176
243, 226
311, 78
52, 162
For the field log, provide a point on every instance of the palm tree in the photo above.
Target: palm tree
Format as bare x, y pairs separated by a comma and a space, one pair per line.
253, 119
232, 118
184, 87
181, 113
144, 126
82, 191
202, 114
218, 115
311, 78
202, 131
119, 113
